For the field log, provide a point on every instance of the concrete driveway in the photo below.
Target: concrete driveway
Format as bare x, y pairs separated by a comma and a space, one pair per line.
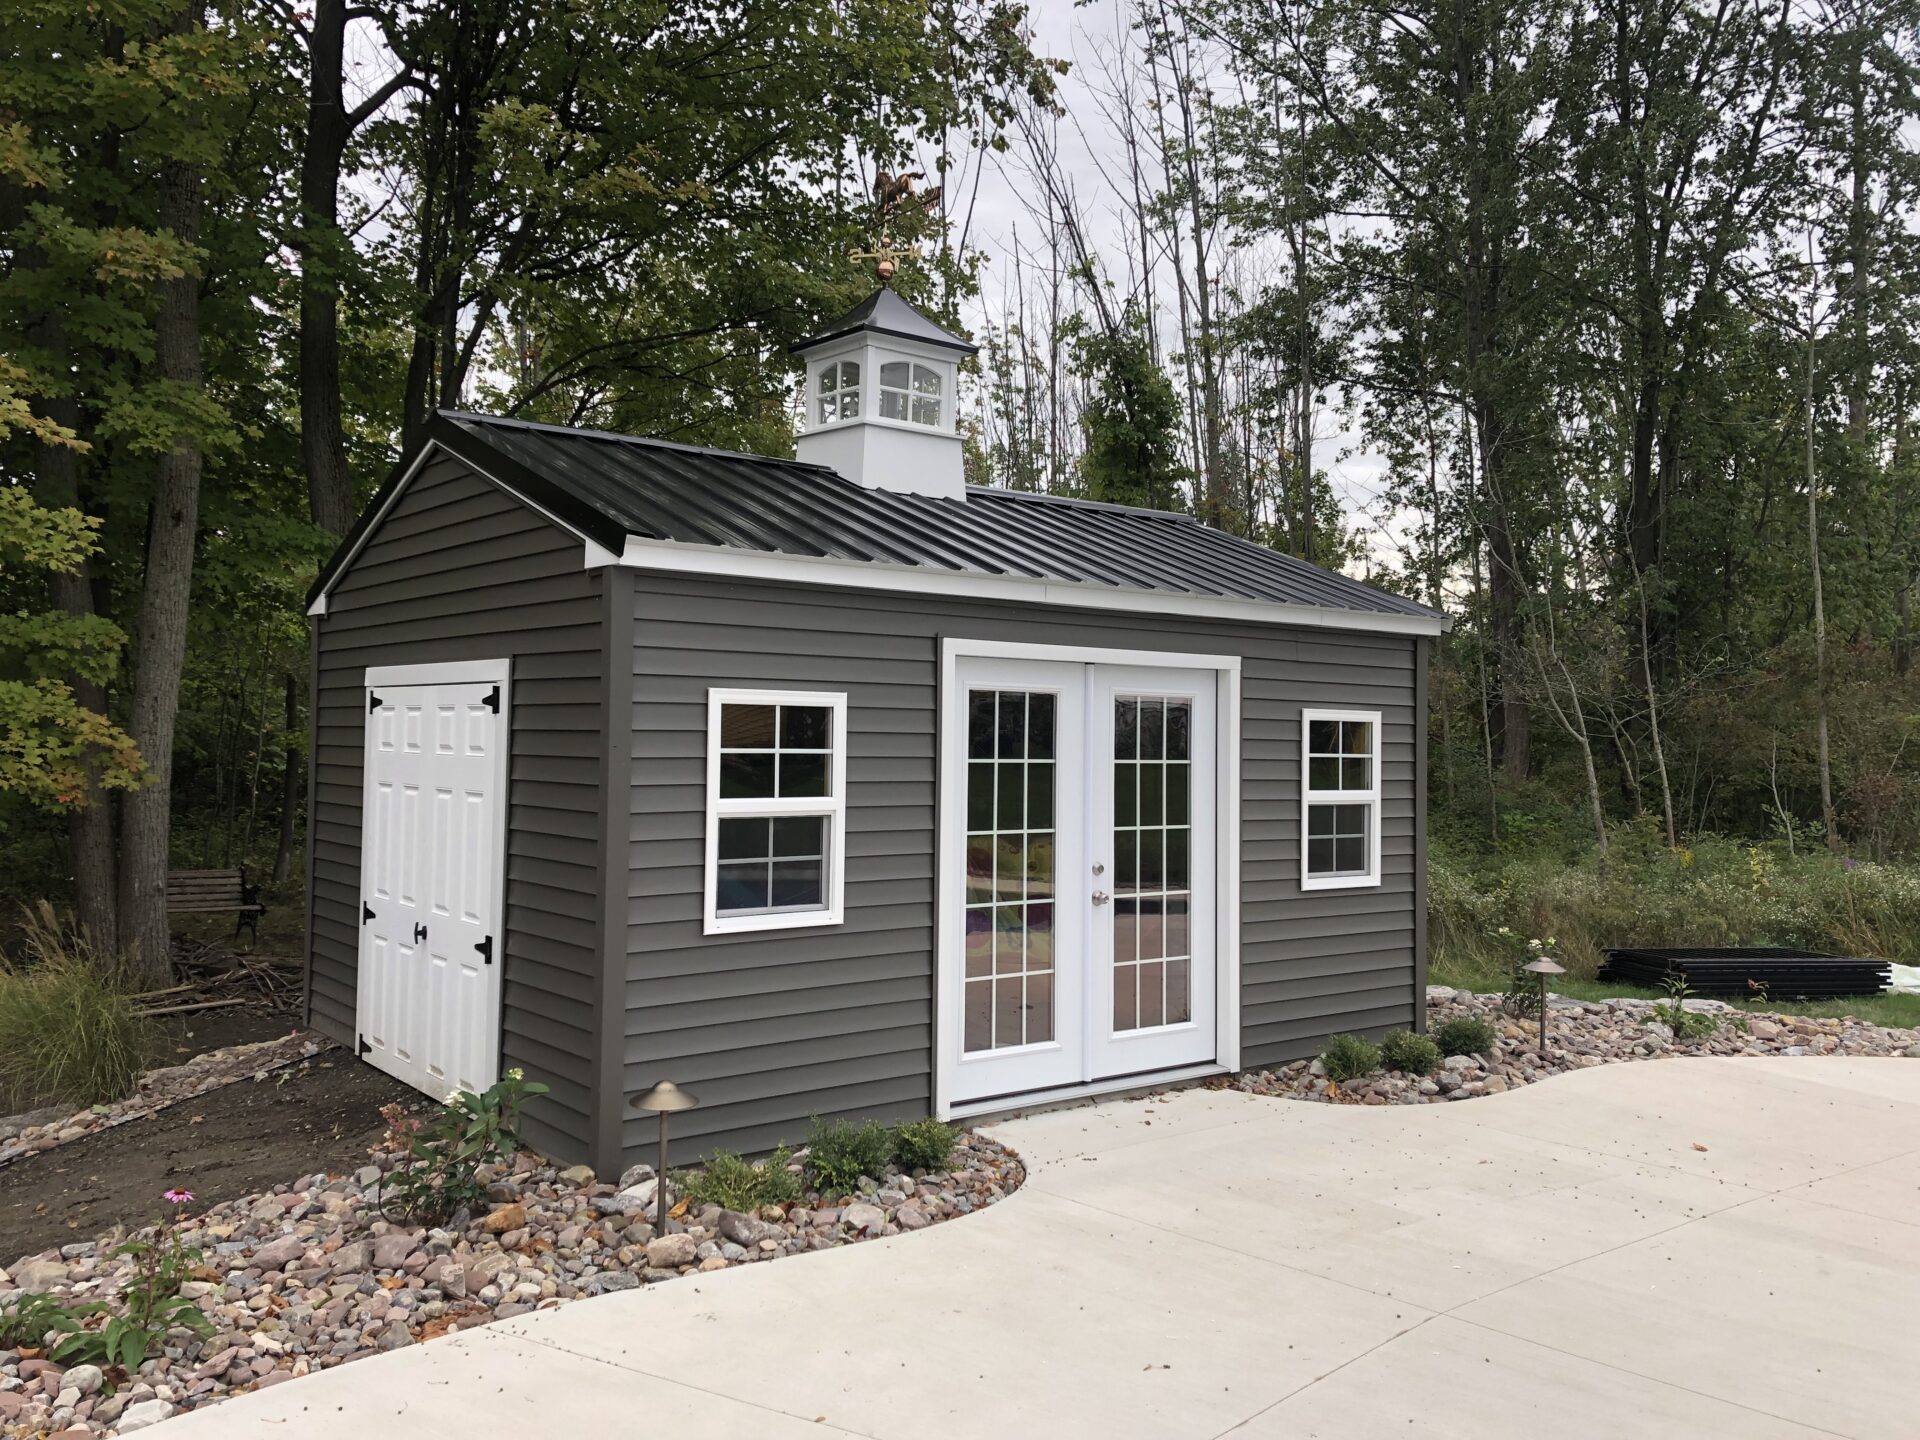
1564, 1260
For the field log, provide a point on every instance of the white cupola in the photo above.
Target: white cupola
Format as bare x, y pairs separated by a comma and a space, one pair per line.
881, 392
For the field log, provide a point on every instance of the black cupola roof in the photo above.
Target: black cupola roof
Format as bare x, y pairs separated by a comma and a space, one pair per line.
885, 313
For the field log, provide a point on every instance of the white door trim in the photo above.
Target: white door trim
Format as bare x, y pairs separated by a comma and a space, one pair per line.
453, 672
950, 843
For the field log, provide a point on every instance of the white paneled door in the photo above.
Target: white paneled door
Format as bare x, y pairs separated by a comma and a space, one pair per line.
431, 842
1086, 944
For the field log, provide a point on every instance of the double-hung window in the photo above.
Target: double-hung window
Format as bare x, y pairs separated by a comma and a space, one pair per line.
776, 809
1340, 805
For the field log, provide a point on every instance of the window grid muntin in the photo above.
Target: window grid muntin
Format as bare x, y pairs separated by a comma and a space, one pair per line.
1153, 861
1010, 882
837, 391
911, 393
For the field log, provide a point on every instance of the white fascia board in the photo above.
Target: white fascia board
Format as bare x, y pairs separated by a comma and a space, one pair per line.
724, 562
593, 557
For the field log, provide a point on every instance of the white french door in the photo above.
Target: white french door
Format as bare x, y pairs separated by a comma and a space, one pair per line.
431, 837
1082, 825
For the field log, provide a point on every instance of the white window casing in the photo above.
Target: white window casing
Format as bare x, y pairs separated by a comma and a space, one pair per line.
1339, 787
912, 393
779, 856
837, 392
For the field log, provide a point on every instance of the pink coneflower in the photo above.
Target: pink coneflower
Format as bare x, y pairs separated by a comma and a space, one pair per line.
178, 1197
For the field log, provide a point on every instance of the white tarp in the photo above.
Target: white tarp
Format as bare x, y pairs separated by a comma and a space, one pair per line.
1905, 980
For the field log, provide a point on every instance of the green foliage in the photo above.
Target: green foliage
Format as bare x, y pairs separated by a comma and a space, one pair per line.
27, 1318
923, 1144
150, 1302
1464, 1035
732, 1183
1130, 423
1348, 1057
444, 1155
69, 1029
1410, 1054
1686, 1024
840, 1152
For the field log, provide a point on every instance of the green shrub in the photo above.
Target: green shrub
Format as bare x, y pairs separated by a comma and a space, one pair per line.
27, 1319
70, 1030
923, 1145
735, 1184
445, 1154
839, 1152
1410, 1054
1464, 1035
1348, 1057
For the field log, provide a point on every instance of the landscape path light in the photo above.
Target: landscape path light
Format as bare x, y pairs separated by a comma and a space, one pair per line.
662, 1100
1542, 967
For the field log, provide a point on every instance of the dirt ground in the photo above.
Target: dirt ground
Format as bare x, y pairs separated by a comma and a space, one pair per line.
320, 1116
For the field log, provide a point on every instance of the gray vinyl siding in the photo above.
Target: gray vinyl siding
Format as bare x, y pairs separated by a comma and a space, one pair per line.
770, 1028
458, 570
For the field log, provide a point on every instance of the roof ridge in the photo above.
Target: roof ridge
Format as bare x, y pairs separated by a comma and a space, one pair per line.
649, 442
1039, 497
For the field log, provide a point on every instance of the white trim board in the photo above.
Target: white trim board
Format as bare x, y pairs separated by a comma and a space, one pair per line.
676, 558
445, 672
950, 749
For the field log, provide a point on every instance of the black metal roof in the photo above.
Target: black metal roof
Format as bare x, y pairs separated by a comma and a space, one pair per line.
609, 487
885, 313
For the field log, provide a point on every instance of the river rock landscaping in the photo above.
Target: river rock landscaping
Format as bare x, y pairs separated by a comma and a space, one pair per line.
311, 1275
1580, 1034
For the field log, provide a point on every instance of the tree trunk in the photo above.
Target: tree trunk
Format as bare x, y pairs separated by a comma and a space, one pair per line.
322, 441
160, 639
290, 786
90, 827
1819, 598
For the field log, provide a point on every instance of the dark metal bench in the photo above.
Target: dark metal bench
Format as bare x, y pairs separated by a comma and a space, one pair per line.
217, 892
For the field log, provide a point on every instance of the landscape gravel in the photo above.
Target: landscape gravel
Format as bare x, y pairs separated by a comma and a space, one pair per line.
310, 1275
1580, 1034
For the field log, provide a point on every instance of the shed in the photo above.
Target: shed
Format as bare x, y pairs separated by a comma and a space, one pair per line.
836, 786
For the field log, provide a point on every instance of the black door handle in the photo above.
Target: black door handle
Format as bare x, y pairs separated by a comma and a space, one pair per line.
419, 933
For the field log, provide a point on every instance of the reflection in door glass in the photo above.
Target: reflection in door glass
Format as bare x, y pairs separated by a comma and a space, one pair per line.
1009, 890
1152, 844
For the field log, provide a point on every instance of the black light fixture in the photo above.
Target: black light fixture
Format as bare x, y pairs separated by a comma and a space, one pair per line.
1544, 967
662, 1100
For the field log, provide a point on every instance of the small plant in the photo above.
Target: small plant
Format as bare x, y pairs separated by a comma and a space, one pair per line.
1524, 993
69, 1029
1464, 1035
1348, 1057
923, 1145
732, 1183
444, 1155
27, 1318
1410, 1054
1686, 1024
154, 1304
839, 1152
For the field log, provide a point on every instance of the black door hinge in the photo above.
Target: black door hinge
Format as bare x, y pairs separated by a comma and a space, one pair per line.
492, 702
485, 947
373, 702
419, 933
364, 1046
366, 912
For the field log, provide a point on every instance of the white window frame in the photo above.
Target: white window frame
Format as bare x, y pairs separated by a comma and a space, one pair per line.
832, 806
859, 388
1309, 797
909, 394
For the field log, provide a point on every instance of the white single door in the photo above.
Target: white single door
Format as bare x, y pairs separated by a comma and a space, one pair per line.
1151, 799
1085, 944
1020, 984
429, 982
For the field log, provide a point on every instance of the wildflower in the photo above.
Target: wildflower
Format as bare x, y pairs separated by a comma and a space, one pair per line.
178, 1197
453, 1096
516, 1073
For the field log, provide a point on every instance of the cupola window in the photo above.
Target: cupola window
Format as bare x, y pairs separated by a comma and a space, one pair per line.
838, 387
910, 393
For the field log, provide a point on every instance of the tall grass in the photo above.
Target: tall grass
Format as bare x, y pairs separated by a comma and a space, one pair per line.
70, 1030
1711, 892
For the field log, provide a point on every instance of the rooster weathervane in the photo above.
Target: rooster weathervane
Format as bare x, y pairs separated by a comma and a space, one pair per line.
893, 198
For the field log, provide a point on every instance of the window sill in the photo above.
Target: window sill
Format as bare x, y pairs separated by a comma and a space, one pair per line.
789, 920
1340, 882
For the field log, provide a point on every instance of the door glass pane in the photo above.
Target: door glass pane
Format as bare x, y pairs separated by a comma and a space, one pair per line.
1010, 869
1152, 846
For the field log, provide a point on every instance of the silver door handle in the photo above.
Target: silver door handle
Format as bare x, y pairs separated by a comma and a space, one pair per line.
1100, 897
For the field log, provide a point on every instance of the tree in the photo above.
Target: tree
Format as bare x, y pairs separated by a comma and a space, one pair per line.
1130, 422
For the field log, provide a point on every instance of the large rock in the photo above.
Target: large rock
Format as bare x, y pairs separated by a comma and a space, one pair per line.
867, 1219
356, 1256
745, 1230
666, 1252
391, 1251
147, 1412
507, 1217
39, 1275
278, 1254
